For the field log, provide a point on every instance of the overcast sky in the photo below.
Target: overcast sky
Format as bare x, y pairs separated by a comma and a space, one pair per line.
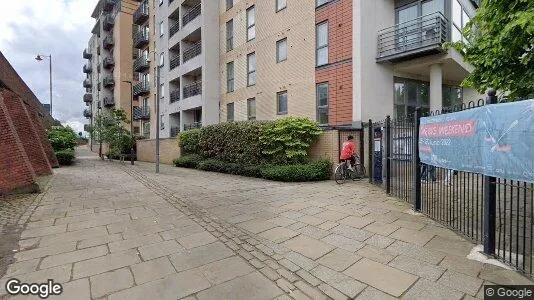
58, 27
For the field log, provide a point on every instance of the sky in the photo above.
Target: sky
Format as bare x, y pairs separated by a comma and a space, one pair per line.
61, 28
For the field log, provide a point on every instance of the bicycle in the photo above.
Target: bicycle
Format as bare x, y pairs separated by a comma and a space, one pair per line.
342, 172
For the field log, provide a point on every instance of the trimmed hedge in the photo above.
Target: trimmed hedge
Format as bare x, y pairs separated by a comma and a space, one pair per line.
189, 141
313, 171
230, 168
65, 157
188, 161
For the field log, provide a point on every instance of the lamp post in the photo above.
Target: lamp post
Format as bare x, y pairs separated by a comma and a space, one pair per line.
40, 58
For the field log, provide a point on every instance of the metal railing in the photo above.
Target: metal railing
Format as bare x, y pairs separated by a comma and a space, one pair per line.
141, 64
141, 112
175, 96
175, 131
193, 51
194, 125
193, 89
87, 113
108, 5
174, 29
87, 68
141, 88
108, 22
87, 83
108, 62
175, 62
192, 14
108, 81
87, 54
108, 42
109, 101
141, 14
88, 97
427, 32
140, 38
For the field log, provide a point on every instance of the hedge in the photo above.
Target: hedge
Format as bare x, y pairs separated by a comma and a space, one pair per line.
65, 157
189, 141
188, 161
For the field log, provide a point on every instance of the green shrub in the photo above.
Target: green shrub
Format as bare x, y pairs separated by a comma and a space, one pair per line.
313, 171
65, 157
289, 140
214, 165
62, 138
189, 141
188, 161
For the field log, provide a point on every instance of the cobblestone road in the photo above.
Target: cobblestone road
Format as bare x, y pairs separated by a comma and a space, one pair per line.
115, 231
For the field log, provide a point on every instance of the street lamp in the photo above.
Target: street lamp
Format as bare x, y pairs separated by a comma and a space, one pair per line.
40, 58
157, 109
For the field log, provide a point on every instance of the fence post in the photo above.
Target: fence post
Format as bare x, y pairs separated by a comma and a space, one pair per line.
490, 196
388, 154
416, 161
371, 140
362, 148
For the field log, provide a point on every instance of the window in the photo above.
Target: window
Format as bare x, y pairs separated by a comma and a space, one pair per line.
161, 59
230, 77
229, 4
160, 2
161, 123
229, 35
321, 2
162, 91
251, 24
161, 28
322, 44
322, 103
251, 109
281, 50
460, 18
410, 94
251, 69
230, 112
452, 97
280, 4
281, 103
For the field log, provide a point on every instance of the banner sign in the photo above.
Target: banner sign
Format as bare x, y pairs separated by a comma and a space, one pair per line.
494, 140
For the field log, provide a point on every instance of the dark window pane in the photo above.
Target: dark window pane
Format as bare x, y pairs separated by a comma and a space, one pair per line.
399, 92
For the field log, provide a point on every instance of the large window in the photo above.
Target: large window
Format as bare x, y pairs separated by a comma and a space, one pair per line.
251, 109
161, 28
230, 112
321, 44
459, 20
251, 24
322, 103
251, 69
229, 4
452, 96
229, 35
417, 23
410, 94
230, 77
280, 4
281, 103
281, 50
321, 2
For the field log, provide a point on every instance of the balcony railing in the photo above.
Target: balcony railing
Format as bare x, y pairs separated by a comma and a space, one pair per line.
175, 62
175, 96
108, 82
87, 113
108, 5
141, 113
174, 28
109, 101
193, 89
191, 15
194, 125
140, 39
87, 83
135, 53
413, 38
88, 98
108, 22
108, 62
175, 130
141, 64
141, 14
192, 52
87, 54
108, 42
87, 68
141, 88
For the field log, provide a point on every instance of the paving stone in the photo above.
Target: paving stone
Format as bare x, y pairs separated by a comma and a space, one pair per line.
417, 252
259, 255
417, 267
310, 291
105, 263
75, 256
281, 221
331, 215
270, 273
181, 231
352, 233
311, 220
462, 265
197, 239
287, 274
278, 234
502, 276
73, 236
425, 289
266, 250
409, 224
301, 261
371, 293
339, 281
256, 263
284, 297
160, 249
309, 278
357, 222
256, 226
327, 225
22, 267
169, 288
99, 240
381, 228
271, 263
412, 236
245, 254
385, 278
45, 251
313, 232
343, 242
298, 295
134, 242
460, 282
84, 217
97, 222
379, 241
110, 282
296, 226
60, 274
308, 247
77, 289
289, 265
250, 287
332, 293
285, 285
152, 270
43, 223
339, 259
450, 246
225, 269
42, 231
312, 210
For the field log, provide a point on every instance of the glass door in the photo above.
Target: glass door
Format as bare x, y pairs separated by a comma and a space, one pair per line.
407, 32
432, 12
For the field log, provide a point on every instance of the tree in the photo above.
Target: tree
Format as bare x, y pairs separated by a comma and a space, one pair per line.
109, 128
62, 138
499, 43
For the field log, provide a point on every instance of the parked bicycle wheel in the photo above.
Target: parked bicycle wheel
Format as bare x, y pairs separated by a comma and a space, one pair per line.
359, 172
340, 174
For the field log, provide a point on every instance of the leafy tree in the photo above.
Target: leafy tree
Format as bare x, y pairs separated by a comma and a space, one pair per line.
109, 128
62, 138
500, 45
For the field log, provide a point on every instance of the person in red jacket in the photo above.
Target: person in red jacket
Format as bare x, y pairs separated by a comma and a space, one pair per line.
347, 152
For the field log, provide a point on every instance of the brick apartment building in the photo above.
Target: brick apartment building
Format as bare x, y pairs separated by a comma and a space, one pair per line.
25, 152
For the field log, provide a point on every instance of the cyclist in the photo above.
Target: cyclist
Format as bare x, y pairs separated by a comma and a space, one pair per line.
347, 152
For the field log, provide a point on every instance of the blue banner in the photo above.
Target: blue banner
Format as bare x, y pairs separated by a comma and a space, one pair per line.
494, 140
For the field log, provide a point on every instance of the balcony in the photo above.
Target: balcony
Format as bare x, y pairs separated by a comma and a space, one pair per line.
140, 39
108, 22
175, 130
141, 88
192, 52
87, 68
141, 64
141, 14
87, 54
109, 101
174, 29
87, 113
135, 53
193, 89
108, 42
87, 83
108, 82
141, 113
88, 98
175, 62
175, 96
108, 62
194, 125
108, 5
191, 15
415, 38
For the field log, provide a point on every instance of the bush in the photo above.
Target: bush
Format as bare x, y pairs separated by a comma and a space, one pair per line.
230, 168
62, 138
65, 157
189, 141
188, 161
313, 171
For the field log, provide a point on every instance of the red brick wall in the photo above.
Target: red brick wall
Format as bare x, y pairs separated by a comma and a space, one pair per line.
338, 73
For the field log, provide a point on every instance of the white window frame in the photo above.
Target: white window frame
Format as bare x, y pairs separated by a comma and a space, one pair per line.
251, 27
